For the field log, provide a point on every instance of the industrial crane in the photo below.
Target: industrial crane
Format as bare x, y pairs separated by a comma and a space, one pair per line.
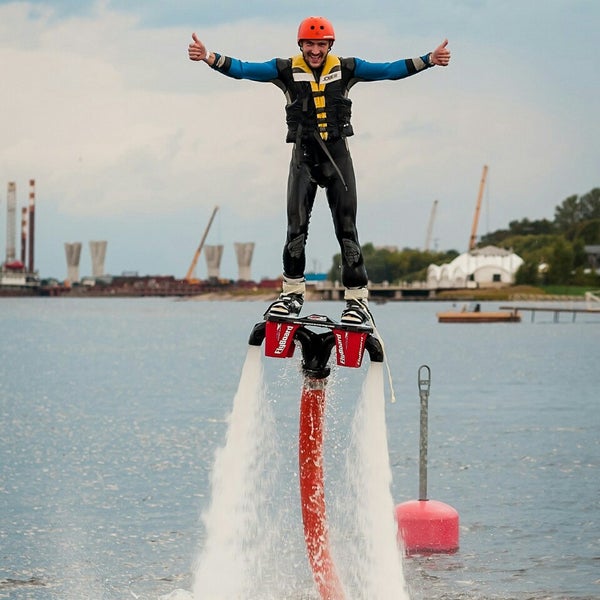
430, 226
190, 274
473, 238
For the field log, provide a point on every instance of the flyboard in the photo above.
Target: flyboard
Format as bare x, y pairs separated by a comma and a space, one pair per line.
317, 336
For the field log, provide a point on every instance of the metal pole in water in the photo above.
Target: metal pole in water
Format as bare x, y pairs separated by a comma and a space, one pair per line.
426, 526
424, 379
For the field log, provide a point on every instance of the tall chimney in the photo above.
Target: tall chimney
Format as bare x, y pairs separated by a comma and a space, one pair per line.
11, 221
31, 225
23, 235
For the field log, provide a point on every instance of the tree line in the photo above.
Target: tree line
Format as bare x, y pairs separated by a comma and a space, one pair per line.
553, 251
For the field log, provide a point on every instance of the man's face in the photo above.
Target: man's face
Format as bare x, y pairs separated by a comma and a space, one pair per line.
315, 52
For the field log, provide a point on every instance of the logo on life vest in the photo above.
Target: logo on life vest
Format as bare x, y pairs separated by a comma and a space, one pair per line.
335, 76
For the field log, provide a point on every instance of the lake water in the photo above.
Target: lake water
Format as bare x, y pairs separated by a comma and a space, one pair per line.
112, 410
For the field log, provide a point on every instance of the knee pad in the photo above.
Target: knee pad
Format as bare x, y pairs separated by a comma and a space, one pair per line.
295, 247
352, 252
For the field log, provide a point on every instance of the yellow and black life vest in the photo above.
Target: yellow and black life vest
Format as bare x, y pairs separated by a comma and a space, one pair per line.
319, 105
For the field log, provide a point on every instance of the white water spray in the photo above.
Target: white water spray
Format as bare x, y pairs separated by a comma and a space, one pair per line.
242, 559
376, 563
236, 546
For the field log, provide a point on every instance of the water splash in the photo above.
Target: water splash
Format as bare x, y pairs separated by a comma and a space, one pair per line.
245, 554
374, 559
236, 545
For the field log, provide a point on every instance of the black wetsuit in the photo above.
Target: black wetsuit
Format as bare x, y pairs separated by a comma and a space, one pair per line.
318, 117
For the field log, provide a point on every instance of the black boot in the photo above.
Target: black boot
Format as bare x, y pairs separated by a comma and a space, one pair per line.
356, 313
287, 305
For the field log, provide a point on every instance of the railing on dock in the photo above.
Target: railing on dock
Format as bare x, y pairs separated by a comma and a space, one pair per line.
557, 311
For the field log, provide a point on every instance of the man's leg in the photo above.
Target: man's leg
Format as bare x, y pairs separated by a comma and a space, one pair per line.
343, 205
301, 193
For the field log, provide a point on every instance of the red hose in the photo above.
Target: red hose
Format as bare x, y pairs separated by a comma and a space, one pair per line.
312, 491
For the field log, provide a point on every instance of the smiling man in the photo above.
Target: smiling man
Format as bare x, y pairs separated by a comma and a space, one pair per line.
316, 85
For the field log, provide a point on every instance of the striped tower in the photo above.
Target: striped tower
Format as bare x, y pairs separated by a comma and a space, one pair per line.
23, 235
31, 225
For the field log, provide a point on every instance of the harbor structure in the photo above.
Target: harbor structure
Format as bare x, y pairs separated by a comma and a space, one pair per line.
73, 254
213, 255
15, 276
243, 252
98, 253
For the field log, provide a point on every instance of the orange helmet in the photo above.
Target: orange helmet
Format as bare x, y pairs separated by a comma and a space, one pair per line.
316, 28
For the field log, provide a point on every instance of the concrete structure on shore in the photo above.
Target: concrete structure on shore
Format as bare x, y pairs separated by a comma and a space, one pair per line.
213, 255
243, 252
98, 252
73, 254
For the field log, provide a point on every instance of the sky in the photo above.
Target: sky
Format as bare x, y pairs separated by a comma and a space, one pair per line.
130, 142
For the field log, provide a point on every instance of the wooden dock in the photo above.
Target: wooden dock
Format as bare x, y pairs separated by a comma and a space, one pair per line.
557, 311
472, 316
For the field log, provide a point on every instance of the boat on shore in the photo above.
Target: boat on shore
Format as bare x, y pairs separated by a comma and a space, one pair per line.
476, 315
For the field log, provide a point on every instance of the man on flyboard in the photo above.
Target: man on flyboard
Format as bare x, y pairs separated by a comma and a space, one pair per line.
316, 85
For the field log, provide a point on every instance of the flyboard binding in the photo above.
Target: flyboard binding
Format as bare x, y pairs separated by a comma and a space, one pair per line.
280, 335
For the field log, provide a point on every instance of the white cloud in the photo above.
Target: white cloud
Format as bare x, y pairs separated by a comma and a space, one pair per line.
115, 123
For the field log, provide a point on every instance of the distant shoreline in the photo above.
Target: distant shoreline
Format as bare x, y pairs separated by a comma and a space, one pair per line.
455, 296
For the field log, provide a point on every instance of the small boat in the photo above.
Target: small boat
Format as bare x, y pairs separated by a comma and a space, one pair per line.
476, 315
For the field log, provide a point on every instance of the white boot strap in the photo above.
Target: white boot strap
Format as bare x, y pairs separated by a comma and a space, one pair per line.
293, 286
356, 293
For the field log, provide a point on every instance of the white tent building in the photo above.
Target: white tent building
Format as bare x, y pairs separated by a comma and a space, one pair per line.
482, 267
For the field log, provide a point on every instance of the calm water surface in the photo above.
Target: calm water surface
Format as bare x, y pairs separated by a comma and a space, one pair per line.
111, 411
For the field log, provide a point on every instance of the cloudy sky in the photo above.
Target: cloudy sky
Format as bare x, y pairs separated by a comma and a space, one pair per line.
132, 143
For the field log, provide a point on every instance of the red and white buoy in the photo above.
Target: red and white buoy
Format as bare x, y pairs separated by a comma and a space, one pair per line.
426, 526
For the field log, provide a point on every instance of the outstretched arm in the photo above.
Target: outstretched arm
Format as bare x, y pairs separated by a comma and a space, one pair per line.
197, 51
441, 55
368, 71
232, 67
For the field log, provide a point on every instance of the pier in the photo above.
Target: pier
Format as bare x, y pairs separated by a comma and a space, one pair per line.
556, 311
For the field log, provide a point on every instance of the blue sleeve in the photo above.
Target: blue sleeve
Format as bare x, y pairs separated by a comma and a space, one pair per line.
369, 71
254, 71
